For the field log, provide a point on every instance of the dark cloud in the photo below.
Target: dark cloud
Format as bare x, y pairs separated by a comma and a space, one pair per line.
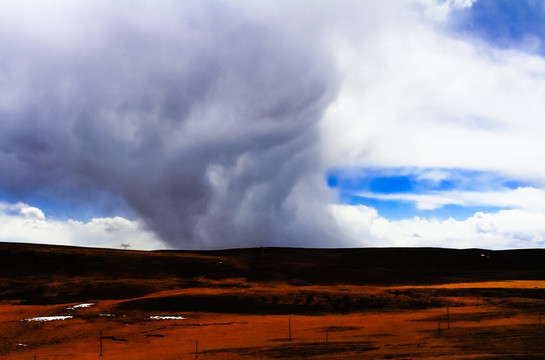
201, 117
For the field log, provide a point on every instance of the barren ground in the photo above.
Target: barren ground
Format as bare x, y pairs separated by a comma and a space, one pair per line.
270, 303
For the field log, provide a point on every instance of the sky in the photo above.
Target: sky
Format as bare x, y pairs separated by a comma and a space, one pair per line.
219, 124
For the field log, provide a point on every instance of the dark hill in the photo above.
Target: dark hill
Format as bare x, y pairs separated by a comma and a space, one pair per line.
56, 274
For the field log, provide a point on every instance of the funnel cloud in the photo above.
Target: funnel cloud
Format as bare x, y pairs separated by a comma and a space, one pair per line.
200, 117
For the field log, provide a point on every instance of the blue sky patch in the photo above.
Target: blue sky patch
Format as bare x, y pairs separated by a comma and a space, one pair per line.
399, 209
391, 184
503, 23
418, 180
81, 207
395, 192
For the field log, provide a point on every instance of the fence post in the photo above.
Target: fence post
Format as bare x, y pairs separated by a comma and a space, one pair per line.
326, 337
448, 318
438, 329
289, 328
196, 349
101, 343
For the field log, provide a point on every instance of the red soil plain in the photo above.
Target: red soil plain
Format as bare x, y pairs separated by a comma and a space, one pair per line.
271, 303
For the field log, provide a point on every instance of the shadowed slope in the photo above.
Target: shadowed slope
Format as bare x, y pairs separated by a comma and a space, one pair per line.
56, 274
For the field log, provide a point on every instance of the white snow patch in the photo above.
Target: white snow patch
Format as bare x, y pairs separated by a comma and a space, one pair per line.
86, 305
49, 318
167, 317
108, 315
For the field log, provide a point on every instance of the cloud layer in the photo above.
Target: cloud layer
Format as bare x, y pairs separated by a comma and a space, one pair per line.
506, 229
213, 124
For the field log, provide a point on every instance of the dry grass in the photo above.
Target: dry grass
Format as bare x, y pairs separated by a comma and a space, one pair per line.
479, 328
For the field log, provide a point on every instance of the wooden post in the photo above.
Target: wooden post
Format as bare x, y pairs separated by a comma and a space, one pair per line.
448, 318
326, 338
289, 328
196, 349
101, 343
438, 329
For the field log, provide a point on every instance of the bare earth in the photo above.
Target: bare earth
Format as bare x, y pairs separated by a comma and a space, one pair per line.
208, 315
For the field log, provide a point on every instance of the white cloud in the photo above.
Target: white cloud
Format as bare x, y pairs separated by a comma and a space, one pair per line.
108, 225
523, 197
30, 225
414, 96
356, 222
32, 213
438, 10
434, 175
501, 230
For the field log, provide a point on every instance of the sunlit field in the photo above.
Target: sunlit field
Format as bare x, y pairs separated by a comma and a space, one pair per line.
228, 317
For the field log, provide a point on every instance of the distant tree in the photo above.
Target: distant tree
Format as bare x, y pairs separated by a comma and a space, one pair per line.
125, 245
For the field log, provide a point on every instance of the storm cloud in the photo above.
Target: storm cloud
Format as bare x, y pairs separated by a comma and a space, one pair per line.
218, 124
199, 116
